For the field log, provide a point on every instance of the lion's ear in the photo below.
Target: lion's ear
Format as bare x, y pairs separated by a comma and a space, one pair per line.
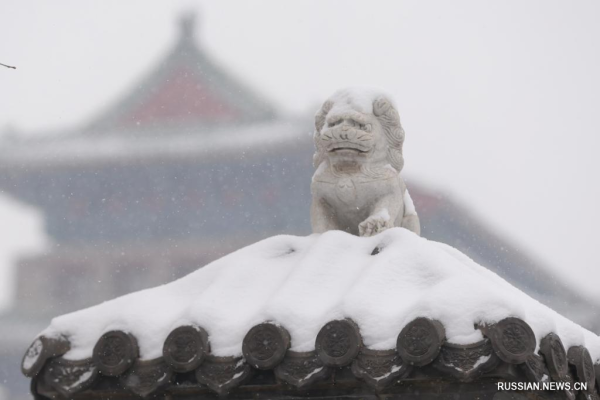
322, 115
382, 106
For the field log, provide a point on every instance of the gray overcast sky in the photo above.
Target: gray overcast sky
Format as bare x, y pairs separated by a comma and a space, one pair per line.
500, 100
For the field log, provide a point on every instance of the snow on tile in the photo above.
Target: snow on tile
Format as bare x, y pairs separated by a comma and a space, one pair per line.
302, 283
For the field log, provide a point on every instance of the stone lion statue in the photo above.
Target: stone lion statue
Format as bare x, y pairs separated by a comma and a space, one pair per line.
357, 185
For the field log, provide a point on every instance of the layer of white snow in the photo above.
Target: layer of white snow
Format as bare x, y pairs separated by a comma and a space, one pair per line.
409, 206
356, 99
383, 214
302, 283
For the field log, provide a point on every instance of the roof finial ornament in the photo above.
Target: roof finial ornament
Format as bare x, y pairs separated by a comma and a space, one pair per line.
187, 25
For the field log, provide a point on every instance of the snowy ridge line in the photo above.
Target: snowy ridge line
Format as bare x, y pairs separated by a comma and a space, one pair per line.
296, 291
120, 145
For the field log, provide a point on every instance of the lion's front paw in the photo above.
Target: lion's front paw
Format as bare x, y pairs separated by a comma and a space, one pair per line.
373, 225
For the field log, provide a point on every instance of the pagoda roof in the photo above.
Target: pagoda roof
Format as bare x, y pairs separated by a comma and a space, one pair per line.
186, 88
325, 311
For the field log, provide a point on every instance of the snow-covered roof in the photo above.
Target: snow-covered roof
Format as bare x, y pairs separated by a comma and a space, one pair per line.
126, 145
187, 104
334, 299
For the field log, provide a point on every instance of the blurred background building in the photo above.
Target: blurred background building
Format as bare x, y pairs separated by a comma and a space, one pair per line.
188, 166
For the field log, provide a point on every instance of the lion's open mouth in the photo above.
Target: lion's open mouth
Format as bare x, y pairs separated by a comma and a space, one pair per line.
347, 146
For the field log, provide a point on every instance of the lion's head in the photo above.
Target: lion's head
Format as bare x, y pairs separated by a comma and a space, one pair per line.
358, 127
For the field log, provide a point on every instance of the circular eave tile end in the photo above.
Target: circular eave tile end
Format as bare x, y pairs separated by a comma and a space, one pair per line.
513, 340
265, 345
40, 351
115, 352
580, 358
420, 341
33, 360
555, 355
185, 348
338, 343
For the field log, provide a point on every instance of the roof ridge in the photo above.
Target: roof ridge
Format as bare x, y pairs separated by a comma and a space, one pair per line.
220, 84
